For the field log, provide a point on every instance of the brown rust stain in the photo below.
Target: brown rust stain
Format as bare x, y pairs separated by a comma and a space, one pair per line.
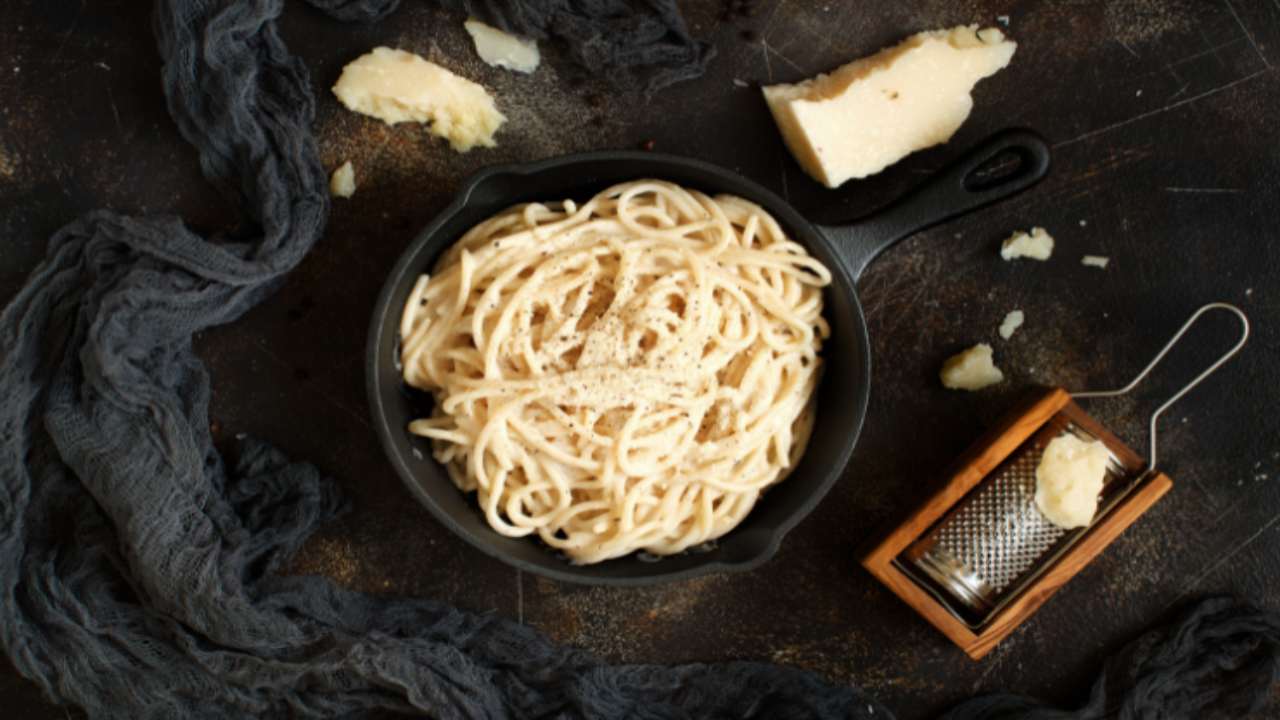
331, 556
8, 163
1136, 22
623, 624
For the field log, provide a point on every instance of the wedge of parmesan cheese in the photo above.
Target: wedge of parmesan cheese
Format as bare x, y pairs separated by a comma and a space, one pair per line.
397, 86
1037, 245
972, 369
343, 181
871, 113
503, 50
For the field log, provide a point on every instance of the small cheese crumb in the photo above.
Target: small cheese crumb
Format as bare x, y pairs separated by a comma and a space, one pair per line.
871, 113
1011, 323
1097, 261
971, 369
503, 50
1038, 245
1069, 479
397, 86
343, 181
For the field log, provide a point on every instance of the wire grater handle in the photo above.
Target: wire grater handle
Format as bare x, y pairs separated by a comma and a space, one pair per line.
1155, 416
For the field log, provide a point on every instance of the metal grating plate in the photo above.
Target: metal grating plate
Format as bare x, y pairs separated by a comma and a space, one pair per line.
1001, 533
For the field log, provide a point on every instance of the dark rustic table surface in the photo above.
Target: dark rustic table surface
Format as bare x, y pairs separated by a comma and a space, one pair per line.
1162, 116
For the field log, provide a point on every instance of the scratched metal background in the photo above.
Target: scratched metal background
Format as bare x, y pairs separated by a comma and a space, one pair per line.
1162, 114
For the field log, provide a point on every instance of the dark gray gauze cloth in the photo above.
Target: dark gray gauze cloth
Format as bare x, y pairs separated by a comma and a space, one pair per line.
138, 572
613, 38
1220, 660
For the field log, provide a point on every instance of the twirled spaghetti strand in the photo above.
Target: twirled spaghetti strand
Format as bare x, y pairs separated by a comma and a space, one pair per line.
626, 374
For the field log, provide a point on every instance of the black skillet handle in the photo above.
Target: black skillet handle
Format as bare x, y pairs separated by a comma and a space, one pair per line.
953, 191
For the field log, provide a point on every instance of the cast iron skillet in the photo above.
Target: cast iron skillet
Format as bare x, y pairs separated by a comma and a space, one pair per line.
842, 396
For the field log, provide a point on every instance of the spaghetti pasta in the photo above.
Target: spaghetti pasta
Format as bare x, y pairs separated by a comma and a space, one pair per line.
626, 374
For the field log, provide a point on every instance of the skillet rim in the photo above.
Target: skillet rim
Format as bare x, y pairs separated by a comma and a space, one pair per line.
410, 261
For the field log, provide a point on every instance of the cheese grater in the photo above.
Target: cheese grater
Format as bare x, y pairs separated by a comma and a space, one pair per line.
997, 535
978, 557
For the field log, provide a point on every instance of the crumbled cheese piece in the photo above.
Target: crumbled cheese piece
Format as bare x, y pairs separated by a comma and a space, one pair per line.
397, 86
343, 181
1097, 261
1069, 479
1038, 245
503, 49
1011, 323
971, 369
871, 113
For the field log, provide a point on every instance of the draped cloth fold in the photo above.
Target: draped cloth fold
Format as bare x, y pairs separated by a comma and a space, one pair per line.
604, 36
139, 569
1220, 659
